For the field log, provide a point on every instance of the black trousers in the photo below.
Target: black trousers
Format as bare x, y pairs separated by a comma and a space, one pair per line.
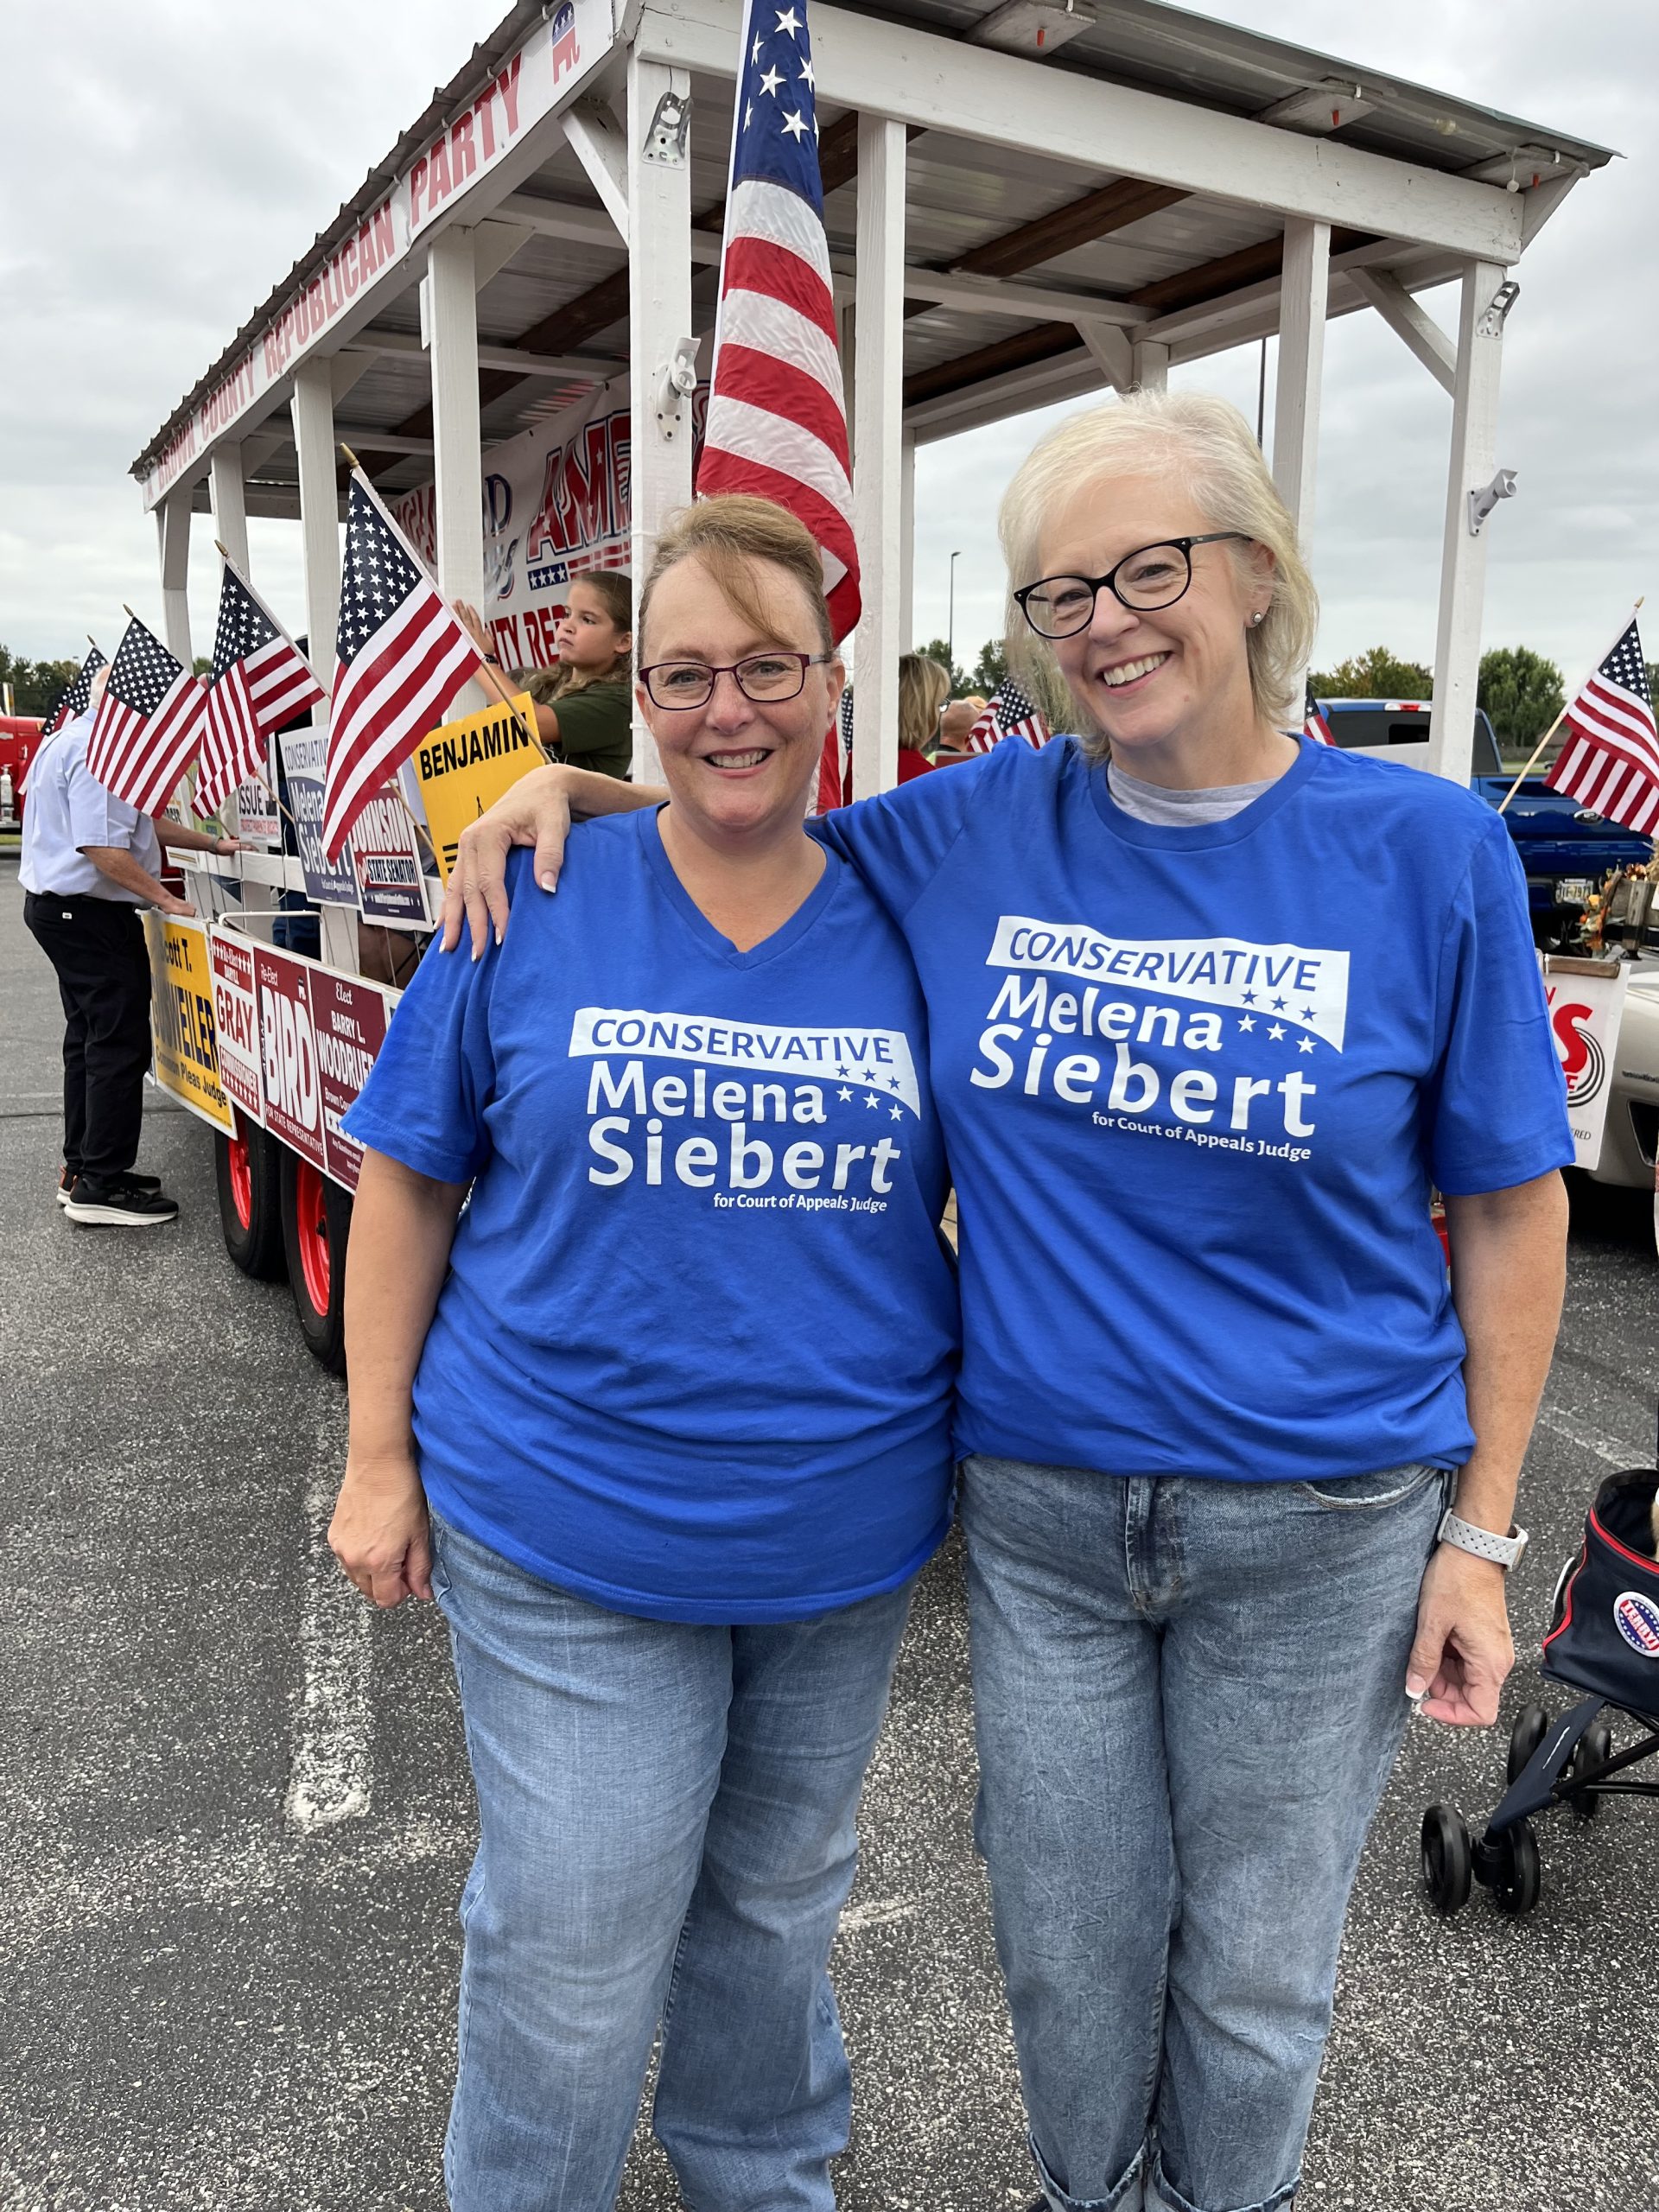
97, 947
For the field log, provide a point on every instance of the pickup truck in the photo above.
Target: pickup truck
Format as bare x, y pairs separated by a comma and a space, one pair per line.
1566, 850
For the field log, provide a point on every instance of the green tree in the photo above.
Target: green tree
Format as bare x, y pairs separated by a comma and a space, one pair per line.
936, 649
1374, 674
35, 683
990, 668
1522, 692
203, 664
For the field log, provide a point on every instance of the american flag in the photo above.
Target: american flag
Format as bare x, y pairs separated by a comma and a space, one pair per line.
401, 658
75, 696
1316, 723
1611, 760
1012, 712
777, 413
149, 723
259, 682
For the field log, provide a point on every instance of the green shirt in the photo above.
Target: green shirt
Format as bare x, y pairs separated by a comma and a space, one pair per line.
595, 724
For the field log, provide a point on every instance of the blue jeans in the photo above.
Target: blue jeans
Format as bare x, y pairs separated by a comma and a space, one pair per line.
1188, 1696
667, 1820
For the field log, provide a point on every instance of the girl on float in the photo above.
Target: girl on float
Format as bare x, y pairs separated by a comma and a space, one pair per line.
663, 1419
584, 704
1210, 1009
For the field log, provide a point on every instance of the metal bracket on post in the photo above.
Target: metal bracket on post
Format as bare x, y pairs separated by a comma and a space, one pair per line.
670, 126
1491, 321
1481, 503
677, 381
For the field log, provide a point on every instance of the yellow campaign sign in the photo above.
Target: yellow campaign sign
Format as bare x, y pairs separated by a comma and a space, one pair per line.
465, 767
182, 1017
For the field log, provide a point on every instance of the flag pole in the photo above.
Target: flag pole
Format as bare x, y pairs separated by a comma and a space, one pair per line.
1538, 750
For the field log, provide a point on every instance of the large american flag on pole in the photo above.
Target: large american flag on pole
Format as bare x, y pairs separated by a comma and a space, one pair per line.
259, 683
402, 656
1011, 712
148, 722
777, 423
75, 696
1611, 759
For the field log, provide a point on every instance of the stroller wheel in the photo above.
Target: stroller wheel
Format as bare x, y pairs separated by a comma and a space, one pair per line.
1525, 1737
1595, 1746
1446, 1863
1515, 1871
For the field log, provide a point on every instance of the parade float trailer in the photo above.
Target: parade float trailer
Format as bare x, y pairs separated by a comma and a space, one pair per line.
509, 324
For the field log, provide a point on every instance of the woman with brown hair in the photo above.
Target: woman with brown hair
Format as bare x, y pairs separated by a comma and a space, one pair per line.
663, 1419
583, 705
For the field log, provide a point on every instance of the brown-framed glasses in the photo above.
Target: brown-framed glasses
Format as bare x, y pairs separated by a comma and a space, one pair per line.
1150, 577
764, 677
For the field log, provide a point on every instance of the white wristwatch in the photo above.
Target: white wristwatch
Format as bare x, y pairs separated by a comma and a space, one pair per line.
1502, 1551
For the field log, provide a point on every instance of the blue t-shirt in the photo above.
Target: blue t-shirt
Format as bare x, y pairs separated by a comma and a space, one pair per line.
694, 1354
1195, 1085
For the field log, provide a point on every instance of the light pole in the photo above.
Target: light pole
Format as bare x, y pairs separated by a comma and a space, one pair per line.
951, 619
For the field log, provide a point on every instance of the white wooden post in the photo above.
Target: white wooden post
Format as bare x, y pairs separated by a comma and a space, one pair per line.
1150, 359
1303, 295
1463, 559
878, 480
907, 539
228, 490
173, 542
313, 443
457, 470
659, 318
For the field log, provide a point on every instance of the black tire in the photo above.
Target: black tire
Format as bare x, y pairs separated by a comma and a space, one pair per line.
1525, 1737
249, 1174
1595, 1747
1516, 1879
316, 1217
1445, 1858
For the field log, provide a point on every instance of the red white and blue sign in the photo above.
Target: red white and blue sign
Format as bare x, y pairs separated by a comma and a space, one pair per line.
1636, 1619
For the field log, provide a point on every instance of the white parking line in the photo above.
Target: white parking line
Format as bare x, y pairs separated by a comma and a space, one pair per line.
331, 1773
1594, 1440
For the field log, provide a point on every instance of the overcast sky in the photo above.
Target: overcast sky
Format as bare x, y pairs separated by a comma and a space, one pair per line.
165, 165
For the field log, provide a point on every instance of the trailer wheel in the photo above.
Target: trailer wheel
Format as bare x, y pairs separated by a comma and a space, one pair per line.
317, 1222
247, 1167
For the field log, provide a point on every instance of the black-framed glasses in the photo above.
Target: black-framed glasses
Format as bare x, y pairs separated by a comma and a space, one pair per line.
764, 677
1150, 577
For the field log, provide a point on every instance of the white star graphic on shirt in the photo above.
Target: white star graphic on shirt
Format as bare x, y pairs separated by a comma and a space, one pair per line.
843, 1092
1247, 1021
770, 81
1306, 1044
795, 126
789, 21
898, 1112
872, 1101
1275, 1030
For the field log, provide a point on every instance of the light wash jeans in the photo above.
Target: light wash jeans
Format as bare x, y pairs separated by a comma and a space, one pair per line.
668, 1832
1188, 1696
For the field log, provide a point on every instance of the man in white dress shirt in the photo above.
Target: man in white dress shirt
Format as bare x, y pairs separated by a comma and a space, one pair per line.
89, 862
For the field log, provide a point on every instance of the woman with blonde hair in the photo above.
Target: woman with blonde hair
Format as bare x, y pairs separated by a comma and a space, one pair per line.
1210, 1009
663, 1419
923, 687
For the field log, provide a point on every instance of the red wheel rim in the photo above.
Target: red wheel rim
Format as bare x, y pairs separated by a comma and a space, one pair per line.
311, 1224
241, 1181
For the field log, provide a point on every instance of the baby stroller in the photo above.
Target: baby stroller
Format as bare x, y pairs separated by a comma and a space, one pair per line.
1604, 1639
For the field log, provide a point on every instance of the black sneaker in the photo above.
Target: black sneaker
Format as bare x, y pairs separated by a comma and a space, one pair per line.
66, 1183
121, 1203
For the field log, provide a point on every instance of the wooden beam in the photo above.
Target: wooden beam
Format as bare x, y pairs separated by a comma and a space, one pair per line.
1094, 216
1044, 343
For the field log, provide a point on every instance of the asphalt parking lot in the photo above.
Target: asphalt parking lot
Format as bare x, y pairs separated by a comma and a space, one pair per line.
235, 1819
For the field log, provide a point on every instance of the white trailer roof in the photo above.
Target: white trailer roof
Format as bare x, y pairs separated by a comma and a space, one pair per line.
1012, 241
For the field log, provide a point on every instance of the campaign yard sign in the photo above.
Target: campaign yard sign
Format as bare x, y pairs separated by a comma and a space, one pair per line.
182, 1017
303, 754
386, 863
348, 1021
236, 1019
288, 1054
1587, 1002
462, 768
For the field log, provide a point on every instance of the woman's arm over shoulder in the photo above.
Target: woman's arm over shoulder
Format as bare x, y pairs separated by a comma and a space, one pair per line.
899, 841
537, 810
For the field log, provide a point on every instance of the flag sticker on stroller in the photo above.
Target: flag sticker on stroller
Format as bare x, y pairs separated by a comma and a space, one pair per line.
1637, 1619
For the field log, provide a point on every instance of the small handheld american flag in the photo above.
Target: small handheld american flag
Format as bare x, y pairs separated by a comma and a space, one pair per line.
75, 696
777, 420
149, 722
402, 657
1611, 761
1316, 723
259, 682
1011, 712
